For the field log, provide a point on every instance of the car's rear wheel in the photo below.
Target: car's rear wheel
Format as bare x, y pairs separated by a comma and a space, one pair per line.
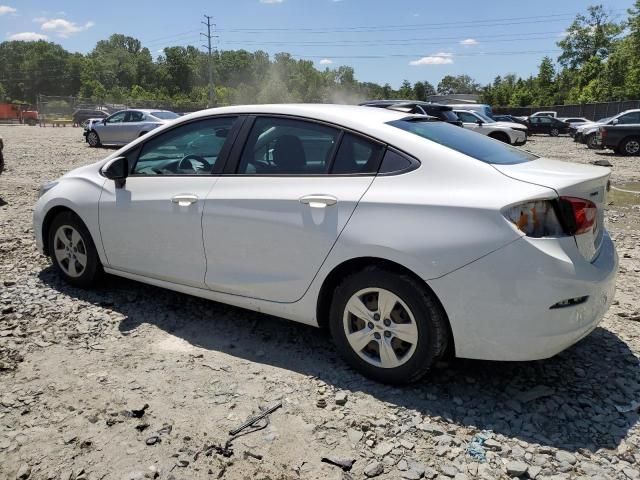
630, 146
93, 139
592, 141
73, 252
554, 132
387, 326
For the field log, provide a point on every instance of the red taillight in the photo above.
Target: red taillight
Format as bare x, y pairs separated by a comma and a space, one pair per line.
584, 212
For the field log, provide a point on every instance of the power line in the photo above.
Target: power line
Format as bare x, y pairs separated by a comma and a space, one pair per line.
212, 92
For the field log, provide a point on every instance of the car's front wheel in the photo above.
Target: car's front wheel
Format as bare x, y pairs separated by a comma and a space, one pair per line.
387, 325
93, 139
554, 132
73, 252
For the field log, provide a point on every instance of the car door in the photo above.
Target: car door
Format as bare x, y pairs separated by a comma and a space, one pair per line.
109, 130
153, 225
270, 222
132, 126
470, 121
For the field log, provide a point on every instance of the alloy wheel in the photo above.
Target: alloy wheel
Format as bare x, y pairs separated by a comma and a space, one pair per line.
555, 132
632, 147
70, 251
380, 327
93, 139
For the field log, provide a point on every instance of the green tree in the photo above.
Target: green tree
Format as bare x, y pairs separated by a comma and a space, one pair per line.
451, 84
591, 35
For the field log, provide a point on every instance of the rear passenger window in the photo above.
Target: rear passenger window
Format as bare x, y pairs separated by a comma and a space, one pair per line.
357, 155
394, 162
282, 146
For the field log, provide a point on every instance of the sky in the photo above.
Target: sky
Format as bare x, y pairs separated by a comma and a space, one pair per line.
384, 41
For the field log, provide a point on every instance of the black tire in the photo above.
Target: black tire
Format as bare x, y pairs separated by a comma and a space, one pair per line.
503, 137
1, 162
31, 122
591, 141
93, 139
554, 132
630, 146
93, 271
429, 317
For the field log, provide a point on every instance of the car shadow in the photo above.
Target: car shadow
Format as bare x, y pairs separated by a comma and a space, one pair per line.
567, 402
3, 202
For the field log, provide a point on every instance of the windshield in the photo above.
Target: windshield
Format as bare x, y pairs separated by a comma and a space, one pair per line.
165, 115
484, 118
464, 141
450, 116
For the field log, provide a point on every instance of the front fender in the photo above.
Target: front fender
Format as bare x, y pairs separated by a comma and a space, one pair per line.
81, 195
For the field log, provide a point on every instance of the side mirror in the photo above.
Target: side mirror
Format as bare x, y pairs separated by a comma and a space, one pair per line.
117, 170
479, 122
615, 121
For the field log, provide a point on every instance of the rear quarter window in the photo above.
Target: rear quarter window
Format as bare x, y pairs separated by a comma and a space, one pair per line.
464, 141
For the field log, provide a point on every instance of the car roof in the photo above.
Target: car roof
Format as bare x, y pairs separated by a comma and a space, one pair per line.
351, 116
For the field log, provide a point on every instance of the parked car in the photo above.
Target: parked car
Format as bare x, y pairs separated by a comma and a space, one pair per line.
1, 155
574, 120
388, 228
436, 110
481, 108
512, 133
547, 125
588, 133
510, 119
83, 114
126, 125
547, 113
622, 138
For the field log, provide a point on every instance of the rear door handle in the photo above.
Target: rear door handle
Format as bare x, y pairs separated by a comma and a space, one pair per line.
184, 200
319, 200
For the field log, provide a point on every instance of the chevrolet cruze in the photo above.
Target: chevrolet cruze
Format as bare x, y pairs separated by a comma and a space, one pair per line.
408, 238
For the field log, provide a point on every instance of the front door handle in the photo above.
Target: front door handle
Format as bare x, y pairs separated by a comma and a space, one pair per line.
319, 200
184, 200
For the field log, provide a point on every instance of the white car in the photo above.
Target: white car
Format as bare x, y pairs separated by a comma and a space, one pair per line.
548, 113
409, 238
507, 132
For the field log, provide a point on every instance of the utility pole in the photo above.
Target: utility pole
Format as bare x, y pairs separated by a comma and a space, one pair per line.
212, 92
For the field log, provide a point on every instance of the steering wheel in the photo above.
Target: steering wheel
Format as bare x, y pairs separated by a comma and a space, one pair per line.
185, 163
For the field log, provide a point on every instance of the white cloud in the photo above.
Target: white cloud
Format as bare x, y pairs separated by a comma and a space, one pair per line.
467, 42
326, 61
61, 27
4, 9
28, 36
441, 58
271, 1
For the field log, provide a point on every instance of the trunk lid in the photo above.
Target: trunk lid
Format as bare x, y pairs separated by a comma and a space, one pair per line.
569, 180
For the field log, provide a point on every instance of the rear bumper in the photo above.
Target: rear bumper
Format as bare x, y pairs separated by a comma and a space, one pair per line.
499, 305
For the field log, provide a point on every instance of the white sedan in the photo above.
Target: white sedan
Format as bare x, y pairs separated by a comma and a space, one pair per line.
507, 132
410, 239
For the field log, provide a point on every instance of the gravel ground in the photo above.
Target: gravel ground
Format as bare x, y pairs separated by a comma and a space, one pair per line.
131, 382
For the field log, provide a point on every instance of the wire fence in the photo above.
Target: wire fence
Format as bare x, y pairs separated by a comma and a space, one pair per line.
56, 110
592, 111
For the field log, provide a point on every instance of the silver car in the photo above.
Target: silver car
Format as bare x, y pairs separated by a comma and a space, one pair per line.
126, 125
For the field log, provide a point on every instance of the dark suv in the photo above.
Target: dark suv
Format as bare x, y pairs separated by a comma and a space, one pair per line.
441, 112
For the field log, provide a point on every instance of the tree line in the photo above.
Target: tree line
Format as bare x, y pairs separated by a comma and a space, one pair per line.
599, 61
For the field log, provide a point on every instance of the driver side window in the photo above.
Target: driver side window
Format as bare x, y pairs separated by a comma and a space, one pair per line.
191, 149
117, 117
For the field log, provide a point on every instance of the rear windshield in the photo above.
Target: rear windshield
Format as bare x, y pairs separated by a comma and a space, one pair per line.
165, 115
464, 141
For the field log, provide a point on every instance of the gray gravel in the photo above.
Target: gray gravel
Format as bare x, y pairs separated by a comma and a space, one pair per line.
77, 368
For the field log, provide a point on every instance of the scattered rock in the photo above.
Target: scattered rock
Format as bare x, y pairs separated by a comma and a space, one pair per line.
567, 457
516, 469
24, 472
153, 440
344, 463
383, 449
341, 398
374, 469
